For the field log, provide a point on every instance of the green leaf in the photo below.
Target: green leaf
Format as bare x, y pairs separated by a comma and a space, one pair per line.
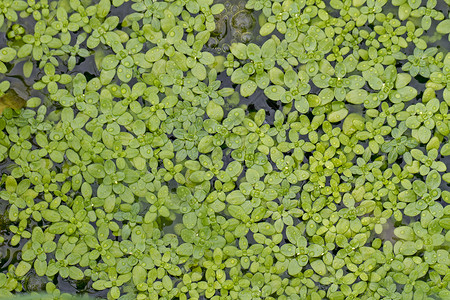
321, 80
198, 176
239, 50
233, 169
109, 204
356, 96
185, 249
40, 267
104, 190
57, 228
49, 246
199, 71
319, 267
154, 54
266, 228
11, 184
96, 170
237, 212
290, 78
139, 275
294, 268
109, 62
414, 4
7, 54
419, 187
302, 105
337, 116
253, 51
100, 285
411, 210
407, 196
252, 176
444, 27
75, 273
315, 250
28, 255
239, 76
175, 34
51, 215
24, 51
267, 29
310, 44
268, 49
405, 232
433, 180
235, 198
22, 268
214, 111
294, 235
274, 92
412, 122
248, 88
103, 8
190, 220
206, 144
375, 82
408, 248
288, 250
349, 279
424, 134
215, 9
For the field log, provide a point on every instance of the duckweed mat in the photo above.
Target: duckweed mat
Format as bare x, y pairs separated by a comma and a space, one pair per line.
193, 149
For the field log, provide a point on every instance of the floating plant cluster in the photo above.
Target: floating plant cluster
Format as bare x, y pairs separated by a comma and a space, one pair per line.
288, 149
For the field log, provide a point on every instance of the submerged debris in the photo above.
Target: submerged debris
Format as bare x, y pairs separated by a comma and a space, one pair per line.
12, 100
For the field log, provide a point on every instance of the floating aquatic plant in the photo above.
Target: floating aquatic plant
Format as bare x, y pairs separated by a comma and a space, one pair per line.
189, 148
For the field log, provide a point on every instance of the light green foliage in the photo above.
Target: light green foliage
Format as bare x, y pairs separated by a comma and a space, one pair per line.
309, 162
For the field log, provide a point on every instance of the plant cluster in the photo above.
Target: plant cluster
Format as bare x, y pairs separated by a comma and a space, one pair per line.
149, 179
